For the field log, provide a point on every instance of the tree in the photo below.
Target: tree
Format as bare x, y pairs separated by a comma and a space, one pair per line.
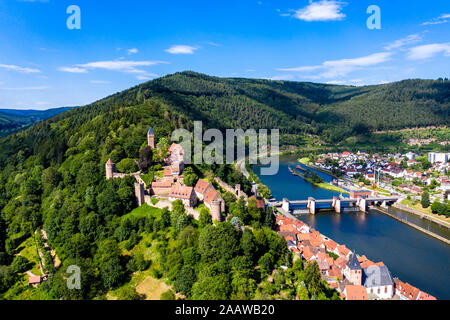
218, 242
211, 288
264, 191
129, 293
190, 178
127, 165
266, 263
145, 158
168, 295
435, 207
313, 279
248, 244
425, 199
20, 264
184, 280
163, 148
236, 222
205, 218
108, 202
269, 218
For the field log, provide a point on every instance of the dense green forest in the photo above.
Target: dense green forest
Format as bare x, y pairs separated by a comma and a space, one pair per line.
52, 176
330, 111
12, 120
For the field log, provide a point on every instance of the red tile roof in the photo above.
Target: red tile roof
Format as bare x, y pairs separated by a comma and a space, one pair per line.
355, 293
181, 192
202, 186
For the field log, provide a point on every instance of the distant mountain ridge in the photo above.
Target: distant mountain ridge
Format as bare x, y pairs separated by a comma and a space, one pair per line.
12, 120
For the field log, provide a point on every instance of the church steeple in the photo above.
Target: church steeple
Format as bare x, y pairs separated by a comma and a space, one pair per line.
151, 138
353, 263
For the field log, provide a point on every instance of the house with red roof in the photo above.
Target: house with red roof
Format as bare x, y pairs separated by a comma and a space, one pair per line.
183, 193
352, 292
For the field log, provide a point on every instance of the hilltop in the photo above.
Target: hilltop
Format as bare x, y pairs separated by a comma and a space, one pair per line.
330, 112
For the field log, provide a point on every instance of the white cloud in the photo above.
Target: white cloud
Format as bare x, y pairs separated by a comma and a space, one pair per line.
28, 88
286, 77
413, 38
214, 44
133, 51
428, 51
147, 76
323, 10
120, 65
444, 18
100, 81
181, 49
19, 69
339, 68
72, 69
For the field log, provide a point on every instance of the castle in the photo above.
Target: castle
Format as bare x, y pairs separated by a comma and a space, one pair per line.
171, 185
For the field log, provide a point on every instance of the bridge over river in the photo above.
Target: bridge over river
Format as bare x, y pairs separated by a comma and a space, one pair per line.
338, 204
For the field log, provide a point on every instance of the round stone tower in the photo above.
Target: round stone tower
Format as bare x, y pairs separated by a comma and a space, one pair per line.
110, 169
215, 210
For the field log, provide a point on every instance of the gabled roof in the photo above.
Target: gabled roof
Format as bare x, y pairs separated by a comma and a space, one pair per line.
34, 279
181, 192
202, 186
376, 276
150, 131
211, 195
353, 263
355, 292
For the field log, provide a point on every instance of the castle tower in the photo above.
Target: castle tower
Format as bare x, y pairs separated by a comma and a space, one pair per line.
151, 138
354, 270
110, 169
139, 193
215, 210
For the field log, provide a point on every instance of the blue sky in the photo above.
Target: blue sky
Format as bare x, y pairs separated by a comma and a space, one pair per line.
43, 64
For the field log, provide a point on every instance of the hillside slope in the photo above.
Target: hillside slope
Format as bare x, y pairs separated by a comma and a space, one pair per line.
12, 120
331, 112
296, 107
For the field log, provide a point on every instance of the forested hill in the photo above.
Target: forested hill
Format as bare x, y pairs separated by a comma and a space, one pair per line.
331, 112
296, 107
12, 120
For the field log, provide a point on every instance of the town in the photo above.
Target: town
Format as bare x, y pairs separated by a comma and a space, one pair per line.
355, 277
411, 177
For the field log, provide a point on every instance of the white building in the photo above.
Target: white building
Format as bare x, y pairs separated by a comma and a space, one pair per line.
378, 281
434, 157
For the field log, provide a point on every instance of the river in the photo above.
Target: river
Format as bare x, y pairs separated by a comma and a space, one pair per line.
410, 255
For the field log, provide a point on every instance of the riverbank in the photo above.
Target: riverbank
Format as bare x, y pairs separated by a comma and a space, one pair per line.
305, 161
322, 185
412, 225
421, 214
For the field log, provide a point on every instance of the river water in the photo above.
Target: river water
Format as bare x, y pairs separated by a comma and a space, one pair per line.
410, 255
